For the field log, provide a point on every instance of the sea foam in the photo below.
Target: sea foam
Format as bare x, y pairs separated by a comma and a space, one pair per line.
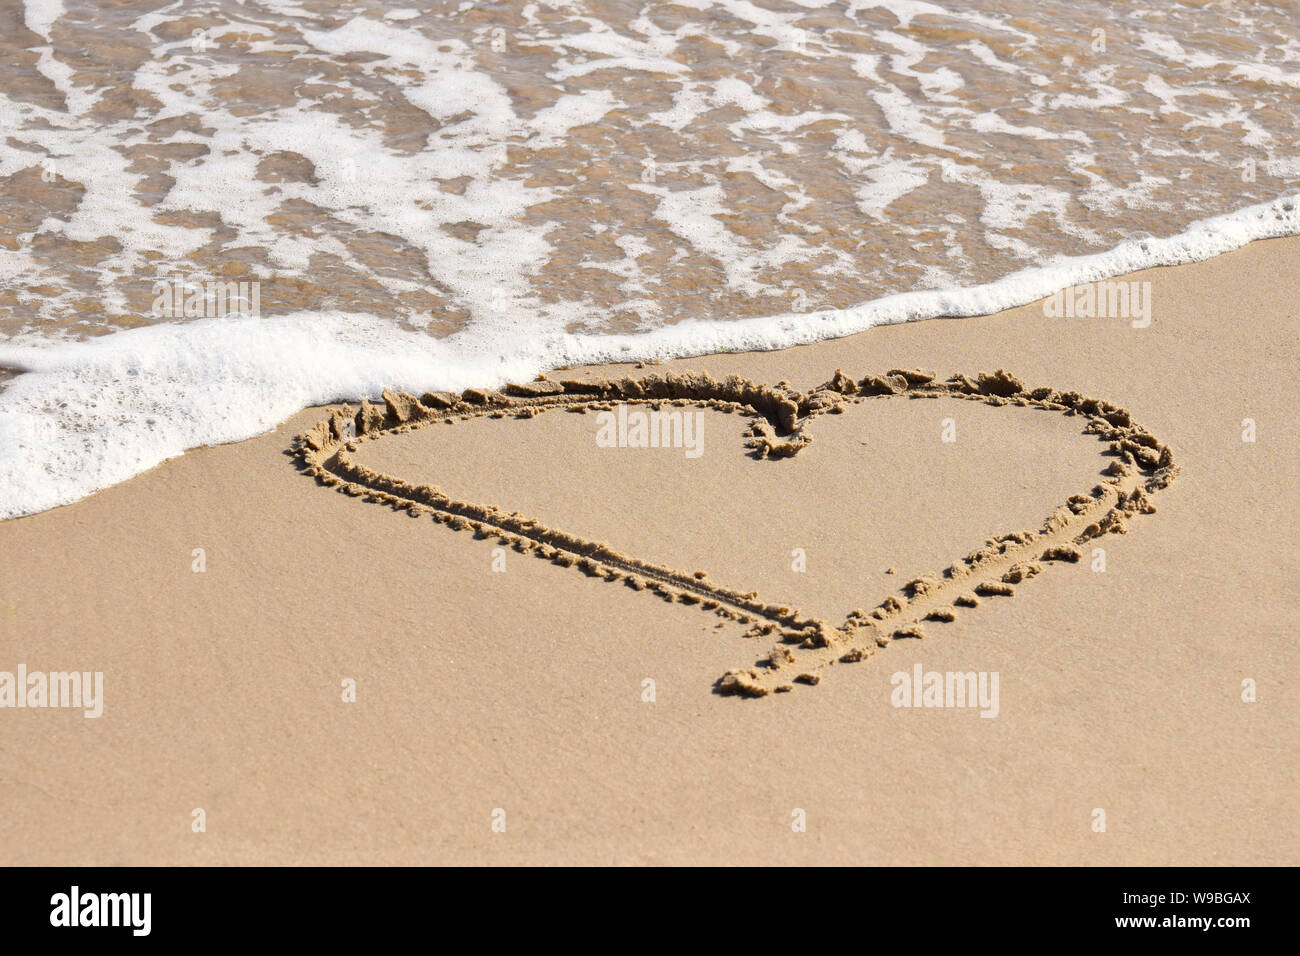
87, 415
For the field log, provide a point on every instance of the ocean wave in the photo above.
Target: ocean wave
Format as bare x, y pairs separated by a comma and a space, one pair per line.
87, 415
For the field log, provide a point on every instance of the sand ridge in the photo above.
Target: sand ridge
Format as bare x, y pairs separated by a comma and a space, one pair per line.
803, 646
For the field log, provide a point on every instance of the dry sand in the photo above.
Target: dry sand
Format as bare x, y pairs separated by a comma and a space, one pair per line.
522, 691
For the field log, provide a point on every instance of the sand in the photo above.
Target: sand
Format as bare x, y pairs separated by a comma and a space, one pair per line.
668, 411
515, 709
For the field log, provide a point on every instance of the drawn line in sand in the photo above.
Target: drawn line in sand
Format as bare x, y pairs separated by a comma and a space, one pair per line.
803, 646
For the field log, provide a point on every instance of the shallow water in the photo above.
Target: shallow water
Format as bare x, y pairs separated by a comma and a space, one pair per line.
614, 166
515, 183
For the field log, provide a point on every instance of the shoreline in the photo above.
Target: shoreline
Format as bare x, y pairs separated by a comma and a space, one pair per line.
267, 369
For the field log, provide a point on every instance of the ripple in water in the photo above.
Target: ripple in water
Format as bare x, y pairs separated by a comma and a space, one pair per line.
610, 166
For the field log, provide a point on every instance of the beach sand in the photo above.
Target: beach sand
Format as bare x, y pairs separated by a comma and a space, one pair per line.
480, 691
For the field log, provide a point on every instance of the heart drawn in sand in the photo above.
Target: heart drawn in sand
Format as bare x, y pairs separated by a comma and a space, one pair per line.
781, 418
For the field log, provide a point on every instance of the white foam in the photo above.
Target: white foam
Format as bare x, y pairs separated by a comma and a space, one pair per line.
693, 215
88, 415
570, 111
40, 15
889, 181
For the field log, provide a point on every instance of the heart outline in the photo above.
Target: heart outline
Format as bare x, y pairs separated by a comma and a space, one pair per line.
1142, 466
